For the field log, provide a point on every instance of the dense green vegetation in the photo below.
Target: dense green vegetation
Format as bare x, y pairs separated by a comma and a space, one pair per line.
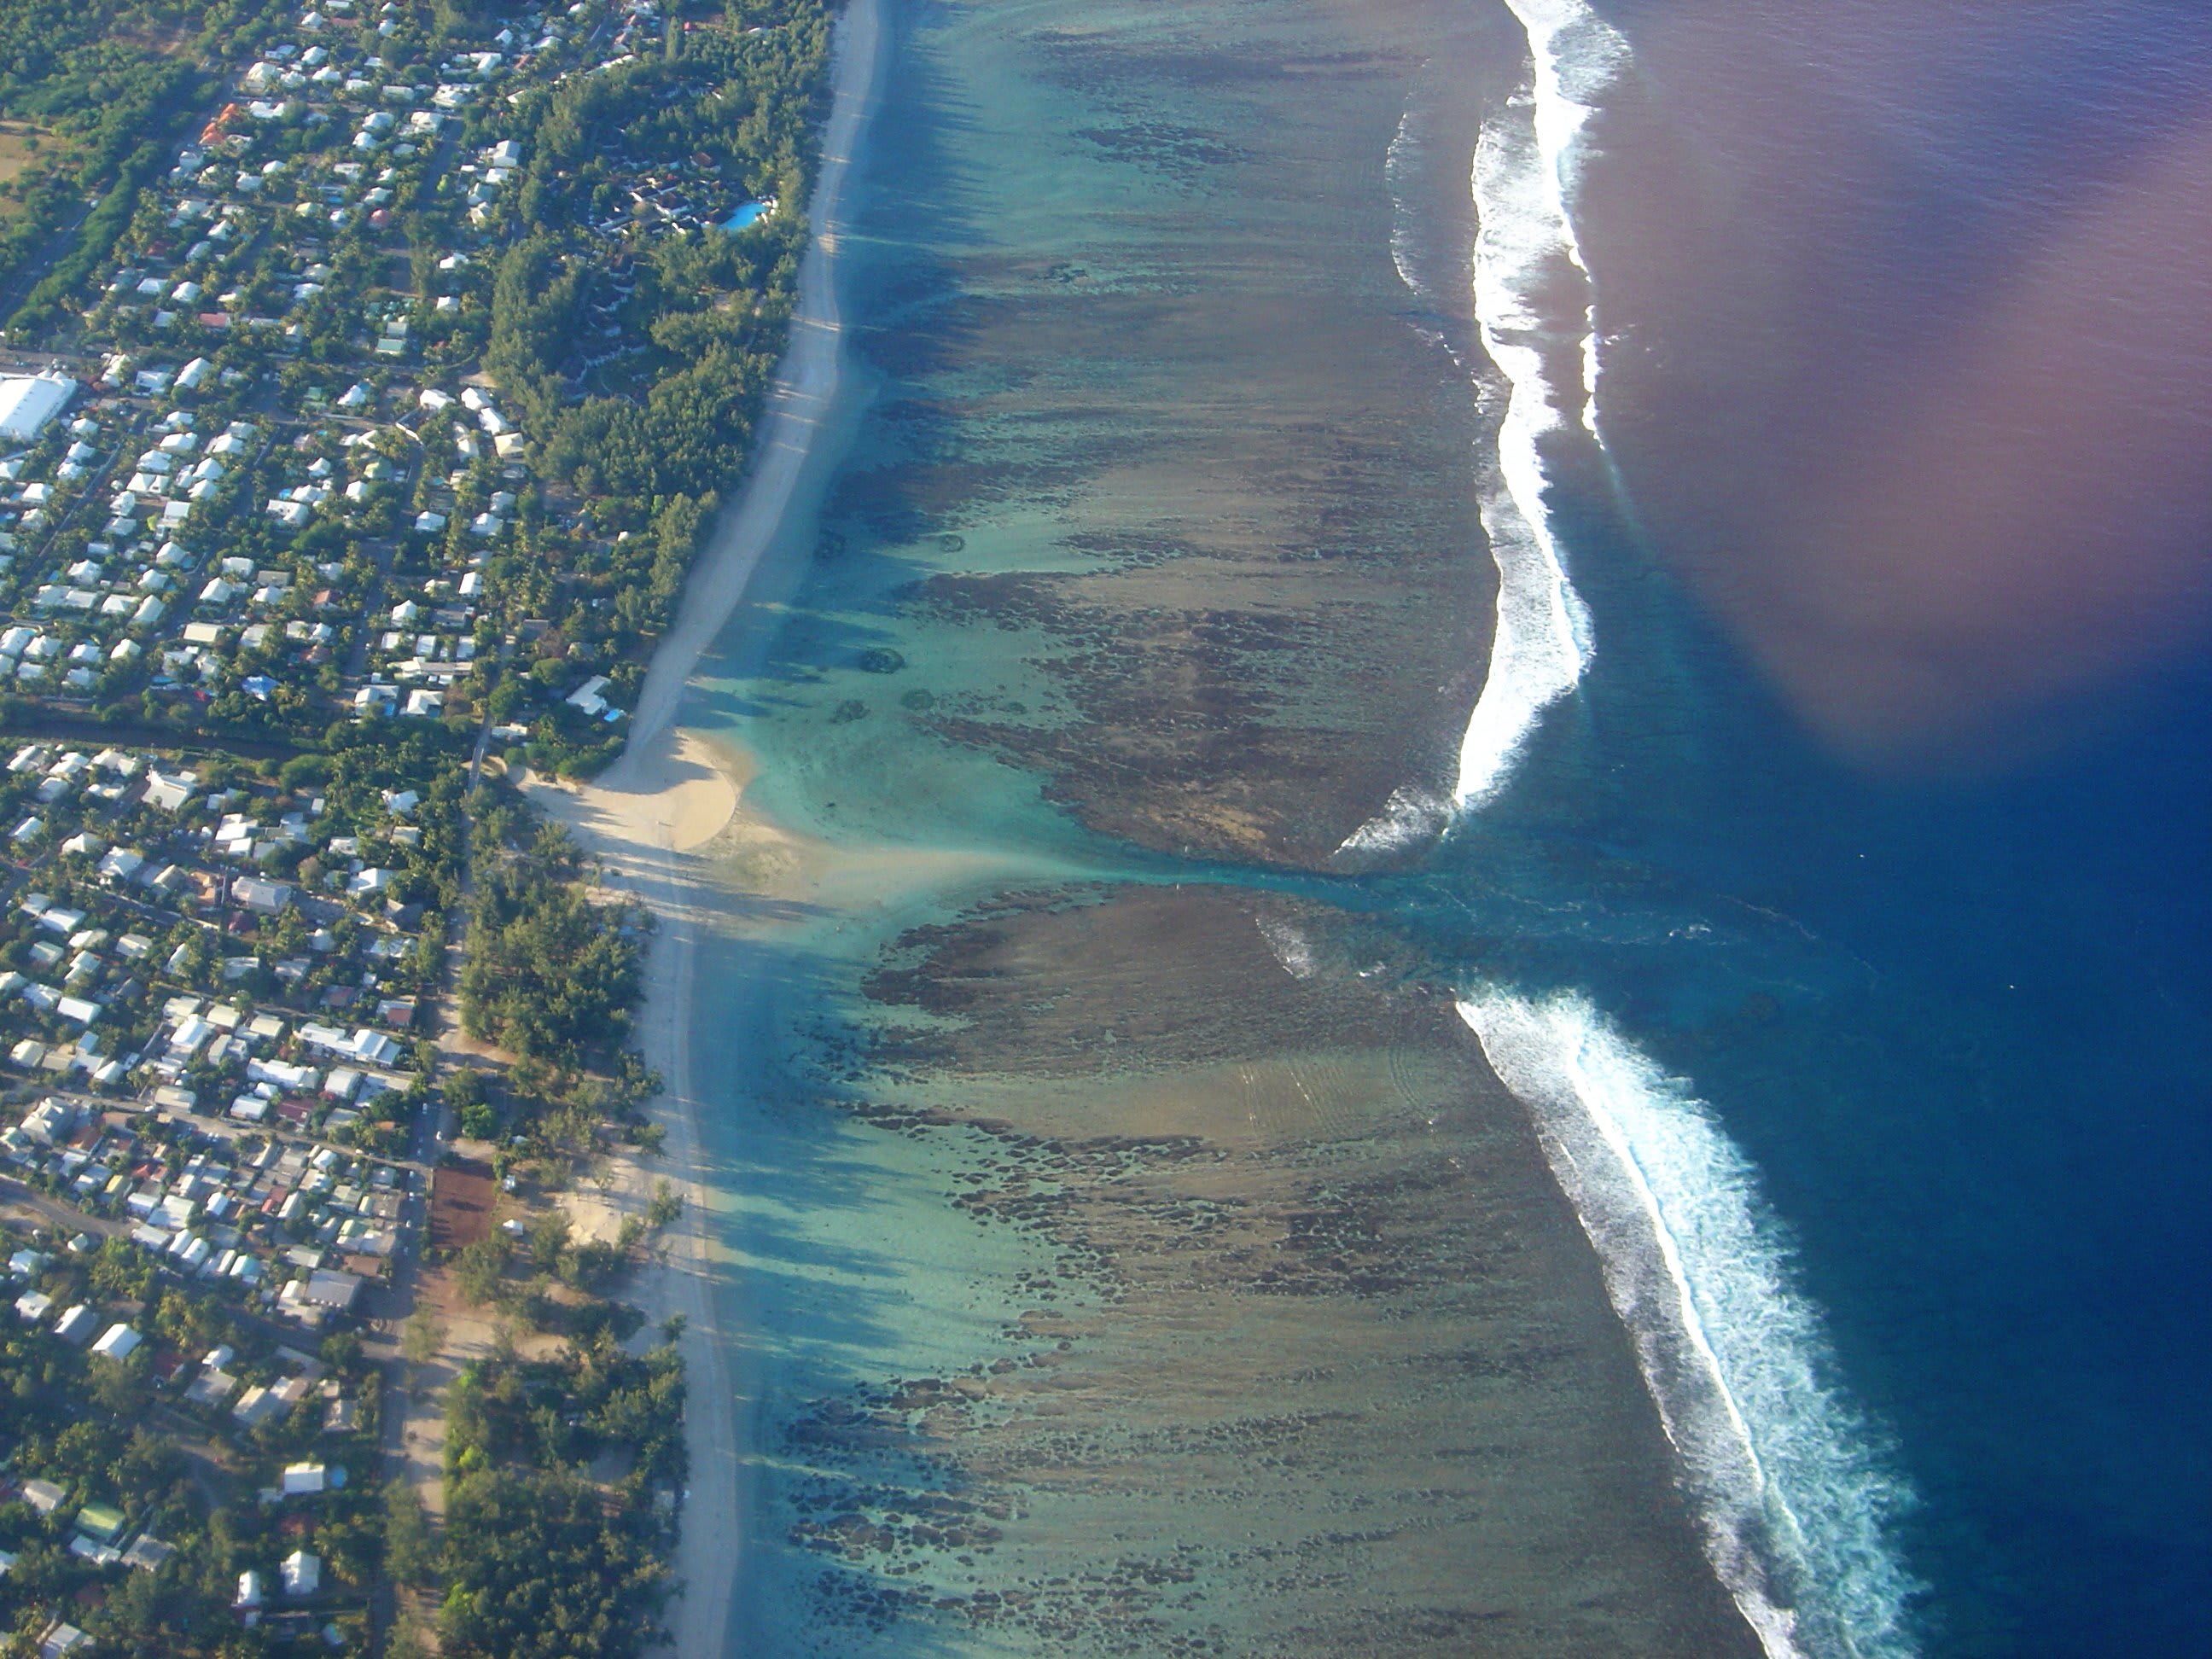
643, 438
542, 1561
549, 975
98, 79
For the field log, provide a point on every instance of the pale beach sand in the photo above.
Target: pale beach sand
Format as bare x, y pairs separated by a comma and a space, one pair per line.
806, 390
646, 819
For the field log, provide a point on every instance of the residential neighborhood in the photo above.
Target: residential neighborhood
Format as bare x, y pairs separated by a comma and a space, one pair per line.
370, 371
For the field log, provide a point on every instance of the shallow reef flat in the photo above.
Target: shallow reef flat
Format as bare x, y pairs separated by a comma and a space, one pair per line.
1310, 1358
1166, 493
1121, 1267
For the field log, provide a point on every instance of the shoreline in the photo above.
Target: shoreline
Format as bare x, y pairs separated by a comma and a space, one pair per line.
807, 388
1522, 1330
664, 797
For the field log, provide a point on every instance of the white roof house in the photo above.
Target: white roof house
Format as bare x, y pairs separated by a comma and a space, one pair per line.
28, 401
301, 1479
116, 1342
43, 1496
77, 1325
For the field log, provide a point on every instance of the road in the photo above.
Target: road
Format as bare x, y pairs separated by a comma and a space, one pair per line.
33, 270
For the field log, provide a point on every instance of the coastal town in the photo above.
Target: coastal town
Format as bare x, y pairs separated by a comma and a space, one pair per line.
361, 412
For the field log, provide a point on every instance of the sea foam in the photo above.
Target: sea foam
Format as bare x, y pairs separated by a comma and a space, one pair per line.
1526, 164
1397, 161
1784, 1471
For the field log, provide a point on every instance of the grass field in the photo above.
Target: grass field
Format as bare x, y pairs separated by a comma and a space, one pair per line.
17, 154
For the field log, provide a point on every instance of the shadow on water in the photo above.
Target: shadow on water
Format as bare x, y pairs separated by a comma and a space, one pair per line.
854, 1267
819, 1215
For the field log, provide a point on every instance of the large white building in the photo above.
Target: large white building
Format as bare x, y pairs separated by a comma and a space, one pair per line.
28, 401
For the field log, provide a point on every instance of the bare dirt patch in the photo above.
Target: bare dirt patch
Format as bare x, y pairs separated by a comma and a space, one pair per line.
461, 1199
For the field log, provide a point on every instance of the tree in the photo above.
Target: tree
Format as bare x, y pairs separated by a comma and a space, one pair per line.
548, 1240
479, 1269
421, 1337
549, 975
539, 1570
410, 1553
118, 1388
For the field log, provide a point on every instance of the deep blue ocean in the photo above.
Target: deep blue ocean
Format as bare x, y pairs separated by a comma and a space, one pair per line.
1879, 816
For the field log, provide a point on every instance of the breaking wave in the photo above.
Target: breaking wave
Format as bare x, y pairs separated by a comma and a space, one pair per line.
1785, 1473
1526, 257
1289, 946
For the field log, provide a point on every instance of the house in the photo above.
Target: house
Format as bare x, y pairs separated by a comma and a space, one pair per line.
211, 1387
77, 1325
122, 864
266, 898
256, 1405
169, 791
148, 1552
28, 401
43, 1496
249, 1591
50, 1122
117, 1342
303, 1574
326, 1287
305, 1479
103, 1521
587, 697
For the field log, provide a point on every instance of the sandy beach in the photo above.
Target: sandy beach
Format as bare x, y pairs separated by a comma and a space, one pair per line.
806, 390
1108, 1265
647, 819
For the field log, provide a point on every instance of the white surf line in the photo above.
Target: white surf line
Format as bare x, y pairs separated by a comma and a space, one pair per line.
1396, 160
1783, 1472
1792, 1504
1576, 56
1539, 643
1412, 815
1525, 164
